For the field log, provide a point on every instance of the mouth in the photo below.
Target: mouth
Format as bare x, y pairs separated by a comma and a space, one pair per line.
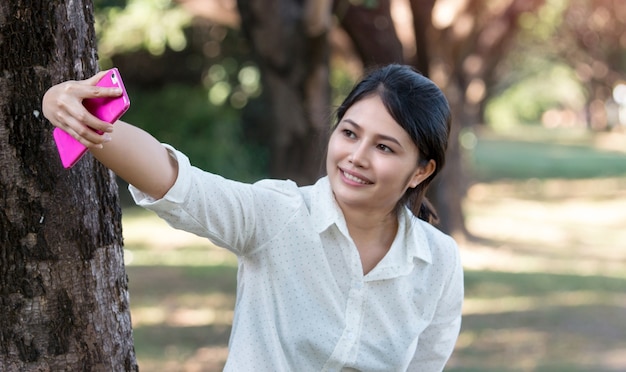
353, 178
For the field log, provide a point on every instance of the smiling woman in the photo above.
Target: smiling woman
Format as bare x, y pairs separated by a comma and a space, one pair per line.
373, 163
337, 275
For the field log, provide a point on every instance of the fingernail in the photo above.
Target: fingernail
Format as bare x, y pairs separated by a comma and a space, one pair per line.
106, 137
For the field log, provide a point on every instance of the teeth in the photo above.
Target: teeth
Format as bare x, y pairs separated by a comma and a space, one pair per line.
355, 179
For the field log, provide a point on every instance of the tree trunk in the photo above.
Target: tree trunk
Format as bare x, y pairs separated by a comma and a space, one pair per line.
372, 31
422, 23
449, 188
63, 288
289, 39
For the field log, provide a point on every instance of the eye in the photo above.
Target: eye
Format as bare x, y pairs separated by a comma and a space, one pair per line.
384, 148
348, 133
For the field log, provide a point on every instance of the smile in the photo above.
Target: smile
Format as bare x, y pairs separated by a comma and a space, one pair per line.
354, 178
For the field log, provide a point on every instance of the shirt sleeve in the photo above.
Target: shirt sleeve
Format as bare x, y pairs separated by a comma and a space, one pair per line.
437, 341
237, 216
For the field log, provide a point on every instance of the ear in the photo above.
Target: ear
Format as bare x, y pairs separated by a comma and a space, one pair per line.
422, 173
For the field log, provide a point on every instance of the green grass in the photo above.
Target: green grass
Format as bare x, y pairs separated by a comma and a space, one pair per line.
498, 159
495, 284
544, 154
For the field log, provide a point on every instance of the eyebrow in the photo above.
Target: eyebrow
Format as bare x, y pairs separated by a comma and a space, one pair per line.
382, 136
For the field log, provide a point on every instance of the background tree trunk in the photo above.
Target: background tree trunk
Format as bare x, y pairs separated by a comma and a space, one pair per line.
372, 31
289, 39
466, 44
63, 288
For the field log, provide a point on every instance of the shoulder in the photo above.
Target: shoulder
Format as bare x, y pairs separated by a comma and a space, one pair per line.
431, 241
286, 187
436, 236
283, 194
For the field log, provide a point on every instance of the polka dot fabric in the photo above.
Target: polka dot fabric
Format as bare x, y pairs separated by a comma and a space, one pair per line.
303, 303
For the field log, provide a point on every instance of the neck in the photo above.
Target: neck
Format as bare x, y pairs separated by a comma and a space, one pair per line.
370, 225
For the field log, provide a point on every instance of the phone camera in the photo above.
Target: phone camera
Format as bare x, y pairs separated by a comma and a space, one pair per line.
114, 78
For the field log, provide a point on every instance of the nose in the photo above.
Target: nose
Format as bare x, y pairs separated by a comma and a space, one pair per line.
358, 156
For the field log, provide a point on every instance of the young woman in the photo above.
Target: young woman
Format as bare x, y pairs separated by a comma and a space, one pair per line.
341, 275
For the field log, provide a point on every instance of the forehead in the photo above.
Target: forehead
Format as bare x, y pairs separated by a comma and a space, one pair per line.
371, 114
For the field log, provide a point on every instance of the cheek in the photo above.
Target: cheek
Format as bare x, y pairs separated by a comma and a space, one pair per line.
330, 156
399, 174
334, 149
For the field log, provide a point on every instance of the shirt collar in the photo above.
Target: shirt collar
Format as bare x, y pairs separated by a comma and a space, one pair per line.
411, 240
324, 208
416, 241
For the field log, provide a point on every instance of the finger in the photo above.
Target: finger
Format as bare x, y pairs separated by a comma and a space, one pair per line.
95, 78
88, 89
84, 134
81, 117
103, 91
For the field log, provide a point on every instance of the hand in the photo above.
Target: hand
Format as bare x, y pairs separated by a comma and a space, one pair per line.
63, 106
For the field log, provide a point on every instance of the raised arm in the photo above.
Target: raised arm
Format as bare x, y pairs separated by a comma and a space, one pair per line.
133, 154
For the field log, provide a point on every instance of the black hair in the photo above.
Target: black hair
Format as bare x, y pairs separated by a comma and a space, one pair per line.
421, 109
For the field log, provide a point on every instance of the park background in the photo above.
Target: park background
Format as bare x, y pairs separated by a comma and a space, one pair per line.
544, 205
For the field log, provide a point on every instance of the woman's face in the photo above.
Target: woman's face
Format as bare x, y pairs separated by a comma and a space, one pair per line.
371, 159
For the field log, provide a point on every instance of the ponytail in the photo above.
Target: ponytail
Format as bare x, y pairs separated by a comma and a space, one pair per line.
426, 211
421, 207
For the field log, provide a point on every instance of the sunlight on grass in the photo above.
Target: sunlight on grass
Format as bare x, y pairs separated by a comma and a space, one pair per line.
205, 256
512, 304
180, 317
560, 226
149, 241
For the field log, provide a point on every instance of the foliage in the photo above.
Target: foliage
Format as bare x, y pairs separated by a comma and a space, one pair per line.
201, 118
150, 24
210, 135
341, 82
568, 57
546, 85
533, 79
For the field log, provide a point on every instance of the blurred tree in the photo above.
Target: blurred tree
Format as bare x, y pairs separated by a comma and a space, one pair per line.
371, 28
569, 58
467, 41
459, 45
63, 289
289, 39
592, 39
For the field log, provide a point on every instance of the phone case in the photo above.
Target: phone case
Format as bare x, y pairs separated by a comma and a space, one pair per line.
108, 109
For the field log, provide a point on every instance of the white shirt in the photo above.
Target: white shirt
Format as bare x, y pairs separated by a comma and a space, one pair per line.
303, 303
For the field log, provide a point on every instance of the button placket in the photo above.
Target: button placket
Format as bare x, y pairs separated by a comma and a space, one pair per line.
345, 350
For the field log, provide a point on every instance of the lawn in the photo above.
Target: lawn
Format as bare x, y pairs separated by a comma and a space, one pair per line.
545, 270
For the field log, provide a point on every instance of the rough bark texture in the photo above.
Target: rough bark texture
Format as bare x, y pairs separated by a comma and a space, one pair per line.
63, 288
295, 70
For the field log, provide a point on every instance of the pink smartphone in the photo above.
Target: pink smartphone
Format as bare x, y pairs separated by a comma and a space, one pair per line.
108, 109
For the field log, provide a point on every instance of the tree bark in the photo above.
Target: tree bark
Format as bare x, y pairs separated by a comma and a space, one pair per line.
372, 31
63, 289
289, 39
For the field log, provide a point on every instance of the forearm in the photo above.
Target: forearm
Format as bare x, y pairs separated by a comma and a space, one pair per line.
139, 159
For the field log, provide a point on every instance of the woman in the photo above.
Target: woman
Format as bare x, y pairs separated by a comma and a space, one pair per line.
339, 275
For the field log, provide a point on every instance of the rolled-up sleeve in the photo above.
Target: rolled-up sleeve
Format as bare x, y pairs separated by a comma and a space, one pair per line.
234, 215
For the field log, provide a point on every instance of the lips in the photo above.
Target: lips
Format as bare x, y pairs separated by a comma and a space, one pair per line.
354, 178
